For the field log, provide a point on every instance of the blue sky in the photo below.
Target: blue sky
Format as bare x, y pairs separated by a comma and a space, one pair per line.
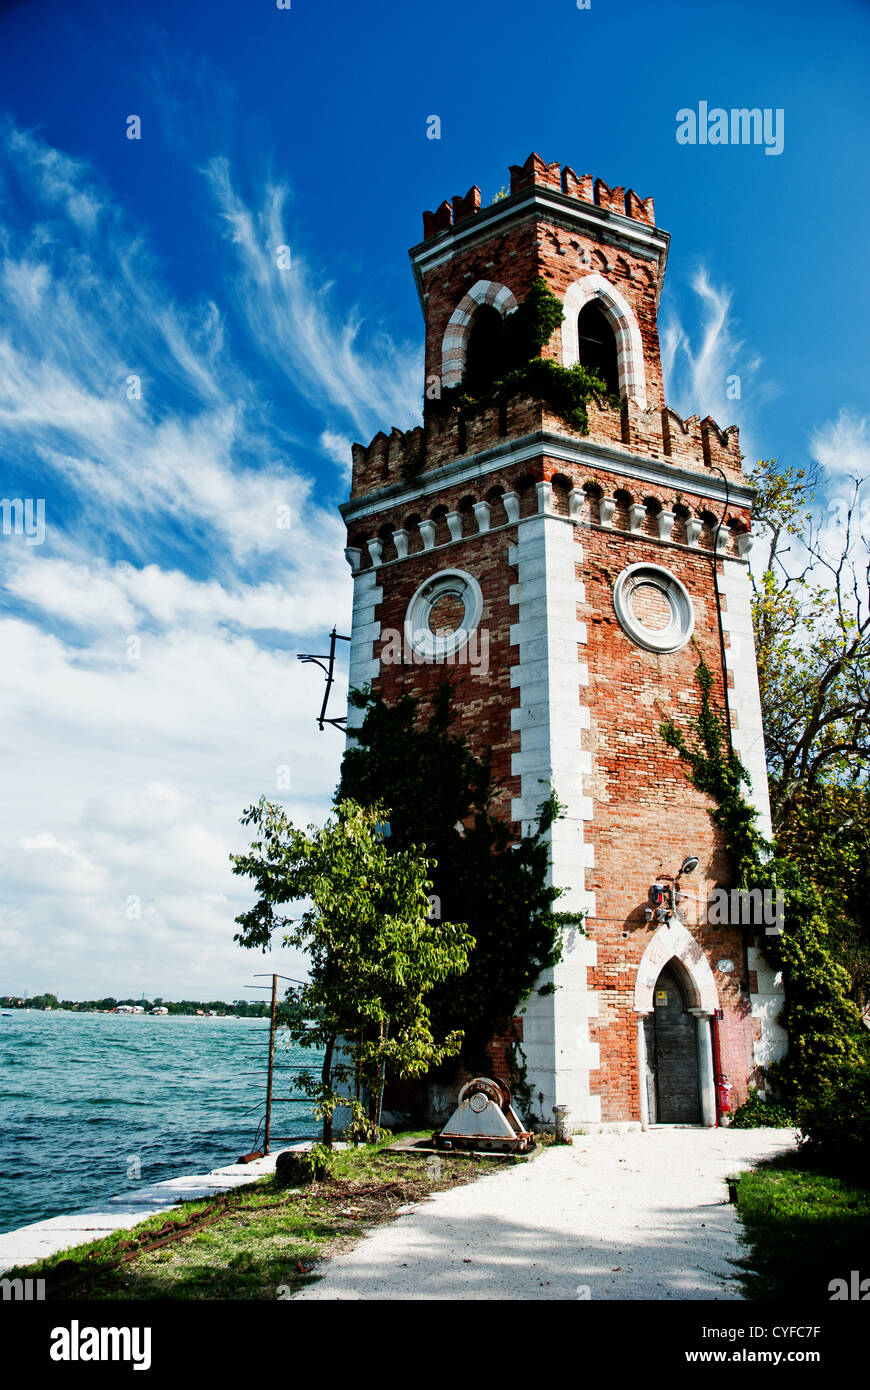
127, 765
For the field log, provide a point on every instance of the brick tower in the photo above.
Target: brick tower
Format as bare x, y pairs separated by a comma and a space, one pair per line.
571, 581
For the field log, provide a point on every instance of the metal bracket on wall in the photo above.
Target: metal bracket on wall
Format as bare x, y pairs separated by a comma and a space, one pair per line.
340, 720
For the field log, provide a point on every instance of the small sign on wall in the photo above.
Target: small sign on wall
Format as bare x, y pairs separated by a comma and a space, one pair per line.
661, 996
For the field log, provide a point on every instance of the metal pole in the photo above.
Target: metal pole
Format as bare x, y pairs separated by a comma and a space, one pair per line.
271, 1064
385, 1033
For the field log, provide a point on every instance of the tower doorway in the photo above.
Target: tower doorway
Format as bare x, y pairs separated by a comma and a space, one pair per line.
671, 1042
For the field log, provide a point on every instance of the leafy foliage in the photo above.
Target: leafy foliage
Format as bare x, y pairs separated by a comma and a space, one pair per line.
835, 1120
441, 796
812, 634
716, 769
823, 1023
757, 1113
827, 835
374, 952
824, 1026
532, 324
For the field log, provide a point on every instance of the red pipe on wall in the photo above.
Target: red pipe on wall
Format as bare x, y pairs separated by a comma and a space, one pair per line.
717, 1064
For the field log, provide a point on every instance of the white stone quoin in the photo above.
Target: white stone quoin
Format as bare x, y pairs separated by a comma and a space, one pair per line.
365, 631
748, 739
550, 721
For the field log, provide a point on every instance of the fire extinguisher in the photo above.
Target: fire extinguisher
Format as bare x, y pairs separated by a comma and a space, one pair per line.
724, 1095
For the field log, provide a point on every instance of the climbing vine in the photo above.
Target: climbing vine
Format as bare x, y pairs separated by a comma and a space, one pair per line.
824, 1026
716, 769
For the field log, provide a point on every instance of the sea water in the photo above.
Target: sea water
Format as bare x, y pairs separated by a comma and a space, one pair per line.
94, 1105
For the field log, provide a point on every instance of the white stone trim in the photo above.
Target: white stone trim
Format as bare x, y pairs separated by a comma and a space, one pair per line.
482, 515
747, 736
550, 720
618, 229
365, 630
706, 1079
682, 624
744, 699
665, 523
472, 468
629, 344
636, 518
454, 344
765, 1005
673, 941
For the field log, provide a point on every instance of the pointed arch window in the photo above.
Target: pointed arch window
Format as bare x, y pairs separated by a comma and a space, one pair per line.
596, 343
485, 354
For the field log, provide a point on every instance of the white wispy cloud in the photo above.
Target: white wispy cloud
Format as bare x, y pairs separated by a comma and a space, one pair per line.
330, 354
842, 449
708, 368
842, 446
177, 514
338, 448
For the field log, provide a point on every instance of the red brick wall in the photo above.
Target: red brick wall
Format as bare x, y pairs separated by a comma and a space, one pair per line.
647, 815
483, 702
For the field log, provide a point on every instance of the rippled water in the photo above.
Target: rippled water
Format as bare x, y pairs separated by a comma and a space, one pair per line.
83, 1096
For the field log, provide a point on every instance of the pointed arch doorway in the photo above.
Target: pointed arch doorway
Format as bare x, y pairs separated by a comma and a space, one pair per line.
675, 1069
673, 1083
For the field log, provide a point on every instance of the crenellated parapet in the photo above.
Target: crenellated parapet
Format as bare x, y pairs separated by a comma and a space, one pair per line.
388, 457
537, 173
697, 445
687, 439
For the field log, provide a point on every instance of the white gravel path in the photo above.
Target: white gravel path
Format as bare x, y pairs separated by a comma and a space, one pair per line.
641, 1215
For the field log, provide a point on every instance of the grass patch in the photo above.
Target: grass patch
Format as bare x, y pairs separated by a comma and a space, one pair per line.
267, 1239
802, 1228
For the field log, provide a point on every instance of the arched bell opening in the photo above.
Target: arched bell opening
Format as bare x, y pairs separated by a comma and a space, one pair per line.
485, 354
596, 343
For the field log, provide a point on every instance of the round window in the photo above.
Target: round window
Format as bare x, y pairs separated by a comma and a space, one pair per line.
443, 613
653, 608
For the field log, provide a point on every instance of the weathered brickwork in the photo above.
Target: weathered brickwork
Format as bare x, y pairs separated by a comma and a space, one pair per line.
495, 493
482, 696
648, 815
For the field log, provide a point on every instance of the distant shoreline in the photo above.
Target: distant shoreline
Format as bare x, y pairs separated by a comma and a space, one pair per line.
184, 1008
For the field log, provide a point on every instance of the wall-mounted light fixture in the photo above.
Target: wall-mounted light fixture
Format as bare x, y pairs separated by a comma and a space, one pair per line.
664, 895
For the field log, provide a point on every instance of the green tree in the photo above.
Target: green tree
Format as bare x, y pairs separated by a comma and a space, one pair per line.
827, 836
812, 635
375, 952
826, 1039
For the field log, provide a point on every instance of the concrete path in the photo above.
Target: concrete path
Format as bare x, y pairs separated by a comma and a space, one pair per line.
44, 1238
614, 1216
